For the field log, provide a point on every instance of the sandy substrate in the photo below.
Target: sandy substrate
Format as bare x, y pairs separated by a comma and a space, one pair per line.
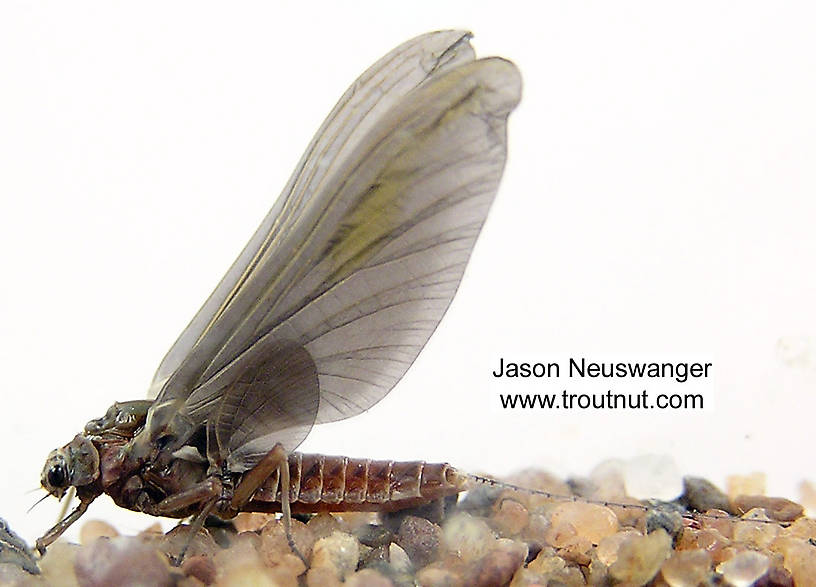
490, 537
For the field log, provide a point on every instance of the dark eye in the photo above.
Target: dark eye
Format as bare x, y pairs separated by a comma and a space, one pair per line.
57, 476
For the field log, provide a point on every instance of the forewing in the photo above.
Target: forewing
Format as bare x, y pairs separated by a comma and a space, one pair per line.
362, 273
377, 90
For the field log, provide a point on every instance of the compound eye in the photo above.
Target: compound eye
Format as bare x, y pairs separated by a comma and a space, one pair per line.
58, 477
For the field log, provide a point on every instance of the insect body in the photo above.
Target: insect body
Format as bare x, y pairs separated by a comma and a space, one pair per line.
323, 311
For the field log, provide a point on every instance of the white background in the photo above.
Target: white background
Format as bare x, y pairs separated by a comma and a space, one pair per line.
658, 203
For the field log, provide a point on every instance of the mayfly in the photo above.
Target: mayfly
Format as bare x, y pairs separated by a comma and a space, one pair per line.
322, 313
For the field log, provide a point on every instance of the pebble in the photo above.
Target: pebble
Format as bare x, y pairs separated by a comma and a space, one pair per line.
802, 528
251, 521
800, 560
708, 539
702, 495
432, 576
777, 508
13, 574
57, 565
201, 567
467, 537
745, 568
338, 552
274, 545
323, 525
93, 529
498, 567
666, 517
420, 539
687, 568
322, 577
511, 518
719, 520
640, 558
758, 534
549, 569
583, 520
398, 559
122, 561
368, 578
776, 577
607, 550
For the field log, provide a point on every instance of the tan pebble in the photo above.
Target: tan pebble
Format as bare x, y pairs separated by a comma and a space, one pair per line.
607, 550
467, 537
251, 521
591, 521
511, 518
339, 552
577, 552
744, 568
752, 484
93, 529
368, 578
640, 557
687, 568
777, 508
800, 560
757, 534
549, 568
322, 577
242, 553
547, 563
707, 539
57, 565
524, 577
803, 528
433, 576
721, 521
274, 545
323, 525
257, 574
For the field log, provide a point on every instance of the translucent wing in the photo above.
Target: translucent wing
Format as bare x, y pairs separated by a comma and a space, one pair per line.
274, 399
360, 258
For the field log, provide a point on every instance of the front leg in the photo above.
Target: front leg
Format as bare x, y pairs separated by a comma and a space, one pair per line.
203, 492
49, 537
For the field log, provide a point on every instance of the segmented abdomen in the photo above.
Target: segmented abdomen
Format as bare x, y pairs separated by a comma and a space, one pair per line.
320, 483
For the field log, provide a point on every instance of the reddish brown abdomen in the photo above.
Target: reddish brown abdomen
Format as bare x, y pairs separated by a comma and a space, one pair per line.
320, 483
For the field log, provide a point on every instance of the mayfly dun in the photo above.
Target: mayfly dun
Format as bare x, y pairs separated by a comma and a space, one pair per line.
322, 313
